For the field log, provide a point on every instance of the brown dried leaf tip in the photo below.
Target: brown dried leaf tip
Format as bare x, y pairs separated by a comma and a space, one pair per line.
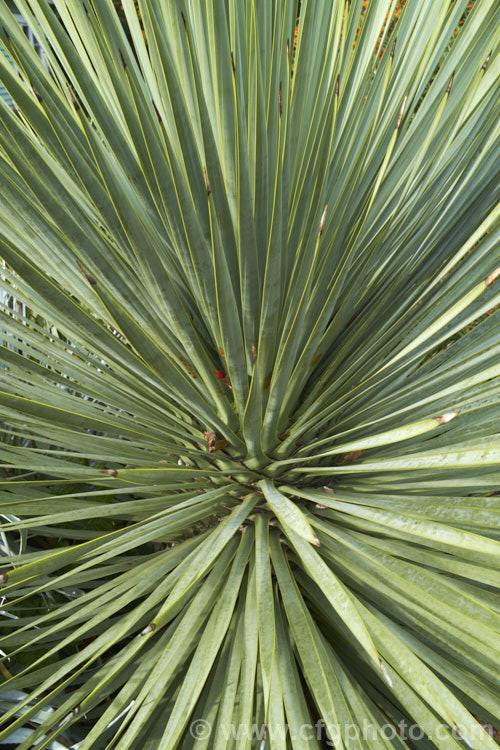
110, 472
492, 277
4, 577
213, 444
447, 417
485, 64
37, 94
189, 368
73, 100
149, 629
89, 278
210, 438
254, 352
219, 445
207, 186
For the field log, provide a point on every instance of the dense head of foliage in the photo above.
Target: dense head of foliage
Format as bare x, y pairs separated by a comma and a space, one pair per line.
250, 445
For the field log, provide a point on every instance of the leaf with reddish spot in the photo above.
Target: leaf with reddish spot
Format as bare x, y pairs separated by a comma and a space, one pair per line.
89, 278
225, 378
352, 456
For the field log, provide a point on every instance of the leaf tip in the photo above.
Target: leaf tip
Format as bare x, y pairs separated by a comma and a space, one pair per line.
450, 84
322, 222
87, 275
74, 712
401, 112
73, 99
493, 276
485, 64
385, 673
109, 472
444, 418
38, 95
157, 113
207, 185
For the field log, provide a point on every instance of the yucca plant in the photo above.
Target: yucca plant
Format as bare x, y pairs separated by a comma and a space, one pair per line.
253, 451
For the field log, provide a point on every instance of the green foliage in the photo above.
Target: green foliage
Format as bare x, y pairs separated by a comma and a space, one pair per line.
251, 464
